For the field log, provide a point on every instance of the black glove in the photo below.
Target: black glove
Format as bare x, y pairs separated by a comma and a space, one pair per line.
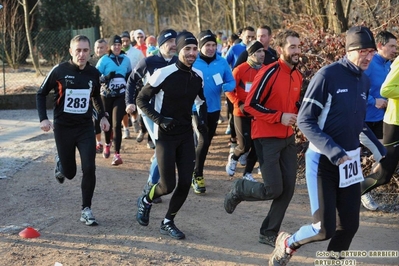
202, 128
167, 123
241, 106
107, 78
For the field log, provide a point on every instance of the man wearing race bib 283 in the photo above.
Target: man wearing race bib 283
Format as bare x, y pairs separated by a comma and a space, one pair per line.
76, 89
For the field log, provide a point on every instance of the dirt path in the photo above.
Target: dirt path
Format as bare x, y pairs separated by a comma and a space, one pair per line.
30, 196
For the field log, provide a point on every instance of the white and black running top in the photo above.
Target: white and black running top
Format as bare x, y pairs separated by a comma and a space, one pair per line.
175, 87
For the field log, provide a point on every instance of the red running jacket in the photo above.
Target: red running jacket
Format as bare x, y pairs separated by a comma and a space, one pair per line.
275, 90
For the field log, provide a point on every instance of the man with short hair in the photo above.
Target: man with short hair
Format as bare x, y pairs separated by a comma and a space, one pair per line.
76, 87
247, 35
273, 103
378, 70
100, 49
175, 88
263, 35
332, 117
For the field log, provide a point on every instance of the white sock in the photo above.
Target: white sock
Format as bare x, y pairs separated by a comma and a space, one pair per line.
165, 221
145, 200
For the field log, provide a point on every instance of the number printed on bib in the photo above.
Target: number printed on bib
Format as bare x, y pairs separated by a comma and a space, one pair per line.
117, 84
76, 101
350, 172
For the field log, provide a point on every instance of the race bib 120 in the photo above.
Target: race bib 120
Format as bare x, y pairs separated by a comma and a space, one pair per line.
350, 172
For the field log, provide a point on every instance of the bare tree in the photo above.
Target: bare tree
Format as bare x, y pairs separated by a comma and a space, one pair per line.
27, 15
234, 15
154, 5
229, 15
13, 28
195, 4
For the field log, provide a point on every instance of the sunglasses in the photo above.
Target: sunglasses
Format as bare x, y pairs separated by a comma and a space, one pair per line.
364, 52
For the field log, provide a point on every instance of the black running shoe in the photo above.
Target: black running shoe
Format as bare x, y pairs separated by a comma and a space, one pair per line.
232, 199
268, 240
57, 171
143, 212
170, 229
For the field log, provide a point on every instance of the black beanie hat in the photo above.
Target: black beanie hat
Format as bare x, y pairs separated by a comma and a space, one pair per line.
115, 39
205, 36
359, 37
125, 34
254, 46
185, 38
165, 35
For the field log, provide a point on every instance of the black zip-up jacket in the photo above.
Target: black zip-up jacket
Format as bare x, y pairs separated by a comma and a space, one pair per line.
62, 77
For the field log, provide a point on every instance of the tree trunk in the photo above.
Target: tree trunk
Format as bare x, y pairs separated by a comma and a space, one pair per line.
35, 59
342, 24
319, 11
156, 16
228, 14
197, 9
243, 12
234, 9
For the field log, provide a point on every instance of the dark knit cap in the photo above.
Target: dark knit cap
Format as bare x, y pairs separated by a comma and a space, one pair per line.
185, 38
254, 46
359, 37
115, 39
205, 36
125, 34
165, 35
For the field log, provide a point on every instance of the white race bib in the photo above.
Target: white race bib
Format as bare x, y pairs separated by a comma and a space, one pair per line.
218, 79
350, 172
248, 86
76, 101
117, 84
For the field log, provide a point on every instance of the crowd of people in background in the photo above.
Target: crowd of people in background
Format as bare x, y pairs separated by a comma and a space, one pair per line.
172, 87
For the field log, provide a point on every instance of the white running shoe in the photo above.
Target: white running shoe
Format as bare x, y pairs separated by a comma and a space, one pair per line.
281, 254
243, 158
368, 202
249, 177
231, 166
232, 147
228, 130
87, 217
126, 133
